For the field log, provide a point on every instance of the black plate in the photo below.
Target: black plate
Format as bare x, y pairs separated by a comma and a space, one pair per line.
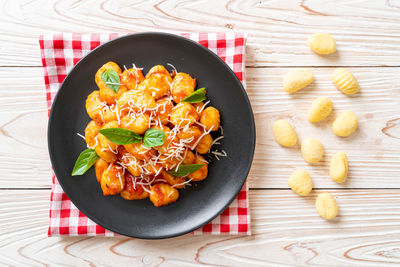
198, 204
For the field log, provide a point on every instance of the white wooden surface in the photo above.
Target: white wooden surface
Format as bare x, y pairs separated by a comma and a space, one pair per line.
286, 228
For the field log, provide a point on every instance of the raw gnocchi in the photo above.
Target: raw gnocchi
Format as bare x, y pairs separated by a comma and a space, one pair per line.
326, 206
297, 79
300, 182
345, 124
284, 133
312, 150
345, 81
339, 167
320, 108
322, 43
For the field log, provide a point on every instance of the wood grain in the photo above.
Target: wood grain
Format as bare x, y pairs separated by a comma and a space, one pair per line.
24, 159
373, 151
366, 31
286, 231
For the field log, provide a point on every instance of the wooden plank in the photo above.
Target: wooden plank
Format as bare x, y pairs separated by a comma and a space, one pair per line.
24, 158
373, 151
366, 31
284, 225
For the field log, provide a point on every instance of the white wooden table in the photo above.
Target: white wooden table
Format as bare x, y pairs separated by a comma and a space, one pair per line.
286, 229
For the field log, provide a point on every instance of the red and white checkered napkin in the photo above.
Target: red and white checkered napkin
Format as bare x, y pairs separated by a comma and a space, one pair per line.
60, 52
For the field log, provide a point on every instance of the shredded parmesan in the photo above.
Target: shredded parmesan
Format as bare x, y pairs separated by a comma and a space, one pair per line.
81, 136
109, 166
201, 137
173, 67
203, 107
145, 189
113, 83
218, 154
215, 141
184, 183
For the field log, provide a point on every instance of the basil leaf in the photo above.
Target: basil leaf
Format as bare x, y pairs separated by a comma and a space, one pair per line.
85, 160
121, 136
153, 137
196, 97
111, 78
184, 170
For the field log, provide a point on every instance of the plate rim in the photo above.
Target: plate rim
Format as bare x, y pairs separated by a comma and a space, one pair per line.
252, 133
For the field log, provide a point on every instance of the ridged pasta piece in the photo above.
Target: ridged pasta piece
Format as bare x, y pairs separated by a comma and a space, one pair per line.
345, 81
320, 108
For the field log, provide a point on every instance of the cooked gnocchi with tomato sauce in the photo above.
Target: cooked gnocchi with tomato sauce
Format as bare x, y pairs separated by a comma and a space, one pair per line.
149, 135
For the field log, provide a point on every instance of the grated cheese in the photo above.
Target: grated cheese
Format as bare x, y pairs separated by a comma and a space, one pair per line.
81, 136
218, 154
204, 106
173, 67
184, 183
201, 136
215, 141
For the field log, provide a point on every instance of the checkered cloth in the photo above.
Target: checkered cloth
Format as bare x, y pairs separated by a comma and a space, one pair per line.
60, 52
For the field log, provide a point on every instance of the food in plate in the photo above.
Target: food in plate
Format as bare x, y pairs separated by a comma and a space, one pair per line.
322, 43
148, 133
296, 79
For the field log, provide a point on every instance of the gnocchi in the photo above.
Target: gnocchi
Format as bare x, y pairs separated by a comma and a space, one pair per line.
345, 81
204, 145
183, 114
147, 142
98, 110
345, 124
312, 150
284, 133
210, 118
137, 123
163, 194
182, 86
297, 79
106, 93
320, 108
326, 206
112, 180
200, 174
339, 167
105, 148
132, 78
322, 43
133, 191
300, 182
